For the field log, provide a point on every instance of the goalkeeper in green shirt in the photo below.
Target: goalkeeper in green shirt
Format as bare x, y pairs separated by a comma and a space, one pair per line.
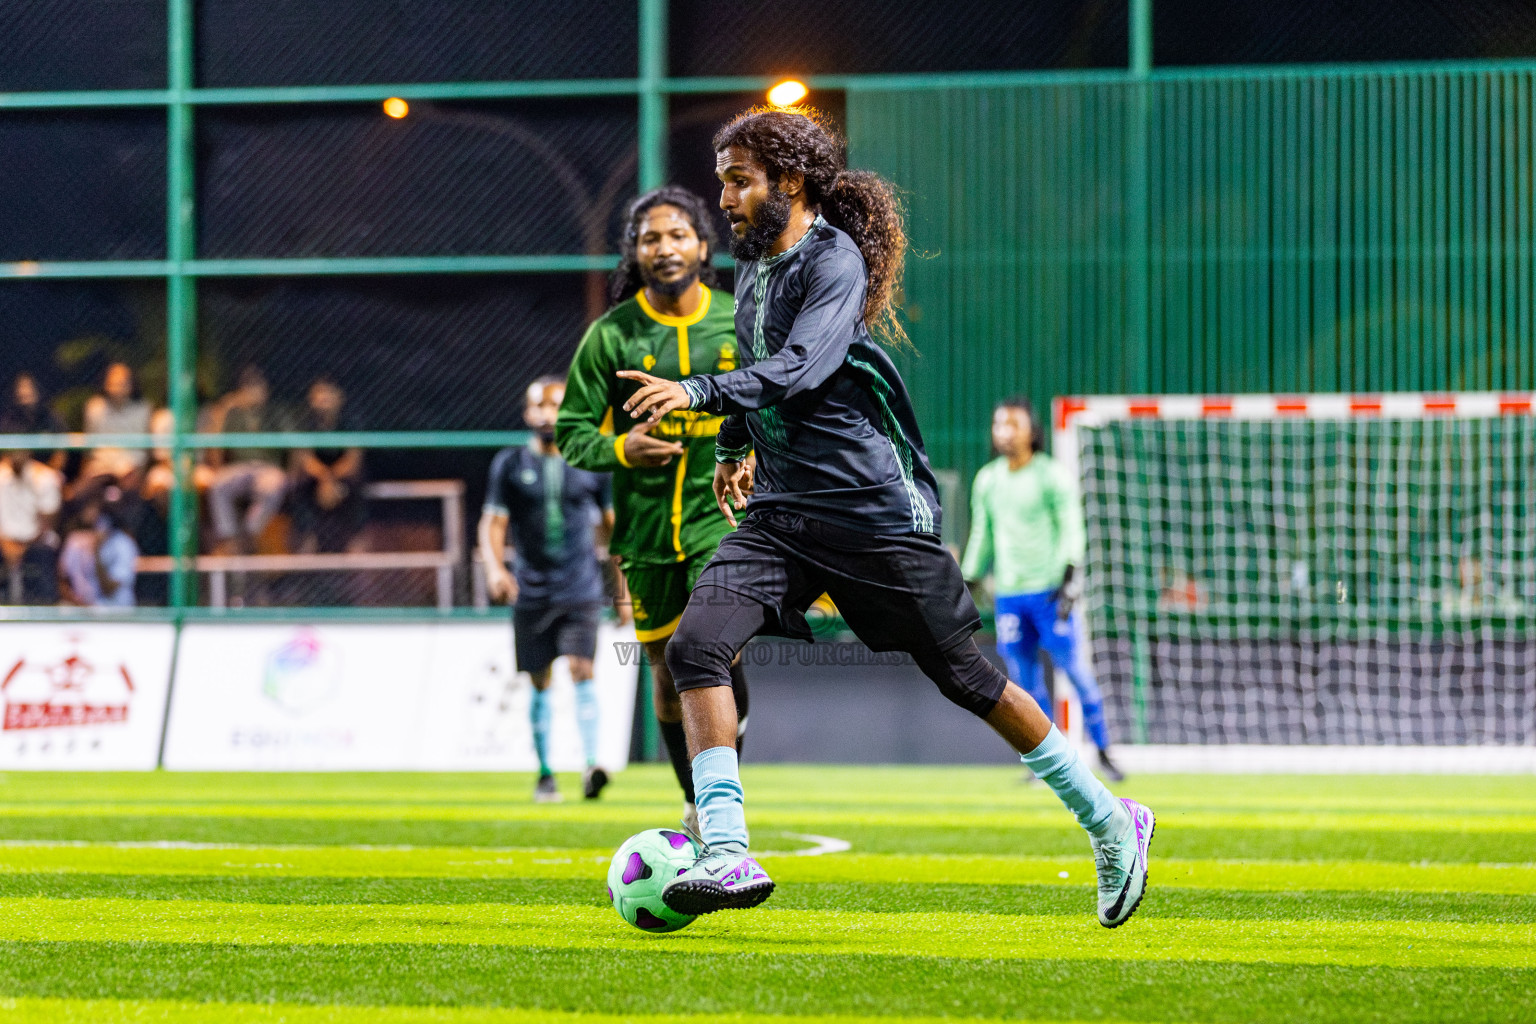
1027, 528
667, 321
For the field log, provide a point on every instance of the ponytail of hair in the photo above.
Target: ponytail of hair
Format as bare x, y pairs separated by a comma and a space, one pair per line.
867, 208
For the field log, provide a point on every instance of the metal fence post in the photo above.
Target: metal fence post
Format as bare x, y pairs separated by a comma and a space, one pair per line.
1138, 196
653, 174
1139, 301
653, 97
181, 297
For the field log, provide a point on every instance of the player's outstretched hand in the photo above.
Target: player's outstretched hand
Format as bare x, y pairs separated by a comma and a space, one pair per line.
641, 449
656, 396
728, 480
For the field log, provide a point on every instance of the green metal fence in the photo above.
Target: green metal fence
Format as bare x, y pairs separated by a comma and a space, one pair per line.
1365, 228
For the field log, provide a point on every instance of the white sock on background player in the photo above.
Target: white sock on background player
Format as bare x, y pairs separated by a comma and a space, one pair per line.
587, 718
538, 718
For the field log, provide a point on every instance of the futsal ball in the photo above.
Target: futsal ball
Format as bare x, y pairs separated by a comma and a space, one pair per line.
642, 867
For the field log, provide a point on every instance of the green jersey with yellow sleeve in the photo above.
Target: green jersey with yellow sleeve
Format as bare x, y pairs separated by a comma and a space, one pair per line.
666, 514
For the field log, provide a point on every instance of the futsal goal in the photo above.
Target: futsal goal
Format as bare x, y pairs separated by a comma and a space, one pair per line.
1271, 572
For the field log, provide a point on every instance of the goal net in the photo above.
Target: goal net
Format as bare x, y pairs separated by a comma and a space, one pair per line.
1319, 569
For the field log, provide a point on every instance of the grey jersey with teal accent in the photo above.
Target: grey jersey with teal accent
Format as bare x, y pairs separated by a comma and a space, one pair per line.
821, 403
552, 510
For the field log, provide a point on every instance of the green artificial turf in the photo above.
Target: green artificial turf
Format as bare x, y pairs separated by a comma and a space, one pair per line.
412, 899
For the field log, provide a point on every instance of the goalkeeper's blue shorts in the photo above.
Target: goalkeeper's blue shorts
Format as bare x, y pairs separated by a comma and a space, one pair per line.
1028, 623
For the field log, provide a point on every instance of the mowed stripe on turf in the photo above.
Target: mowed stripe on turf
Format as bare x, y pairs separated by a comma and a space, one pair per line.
1047, 817
1068, 840
968, 936
632, 982
830, 785
476, 862
133, 1011
872, 897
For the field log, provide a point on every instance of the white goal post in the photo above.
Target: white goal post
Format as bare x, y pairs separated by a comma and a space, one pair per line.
1321, 582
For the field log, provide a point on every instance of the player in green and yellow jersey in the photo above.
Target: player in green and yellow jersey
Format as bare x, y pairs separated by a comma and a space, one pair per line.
667, 321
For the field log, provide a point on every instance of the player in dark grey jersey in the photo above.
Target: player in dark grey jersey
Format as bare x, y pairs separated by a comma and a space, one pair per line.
553, 513
845, 500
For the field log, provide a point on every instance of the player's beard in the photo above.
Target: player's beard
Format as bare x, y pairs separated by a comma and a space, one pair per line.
772, 218
546, 434
672, 289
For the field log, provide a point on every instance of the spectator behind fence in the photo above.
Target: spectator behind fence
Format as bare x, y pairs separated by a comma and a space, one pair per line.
328, 507
116, 411
98, 564
160, 474
252, 475
28, 414
30, 495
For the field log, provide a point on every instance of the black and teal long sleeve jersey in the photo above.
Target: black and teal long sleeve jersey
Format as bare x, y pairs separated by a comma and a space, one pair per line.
819, 400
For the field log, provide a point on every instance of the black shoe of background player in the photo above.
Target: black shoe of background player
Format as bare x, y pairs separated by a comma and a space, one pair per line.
546, 792
1110, 770
593, 781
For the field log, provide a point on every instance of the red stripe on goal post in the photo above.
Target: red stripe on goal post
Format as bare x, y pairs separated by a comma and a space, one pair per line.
1066, 408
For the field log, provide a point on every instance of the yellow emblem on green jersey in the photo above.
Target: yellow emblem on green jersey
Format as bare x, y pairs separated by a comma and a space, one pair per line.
648, 362
727, 361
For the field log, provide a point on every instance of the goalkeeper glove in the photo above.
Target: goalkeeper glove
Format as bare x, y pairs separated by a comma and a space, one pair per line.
1067, 594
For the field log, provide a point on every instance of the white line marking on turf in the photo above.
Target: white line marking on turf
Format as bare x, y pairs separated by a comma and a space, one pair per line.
821, 845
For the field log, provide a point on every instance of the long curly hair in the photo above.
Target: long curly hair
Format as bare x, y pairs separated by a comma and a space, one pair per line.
626, 279
861, 203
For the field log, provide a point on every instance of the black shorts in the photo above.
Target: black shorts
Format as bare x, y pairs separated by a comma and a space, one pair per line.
543, 632
900, 592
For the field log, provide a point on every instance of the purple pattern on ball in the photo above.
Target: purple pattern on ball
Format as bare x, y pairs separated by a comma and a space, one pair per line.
636, 869
649, 921
677, 839
610, 894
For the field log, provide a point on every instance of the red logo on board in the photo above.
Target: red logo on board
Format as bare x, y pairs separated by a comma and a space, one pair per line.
66, 693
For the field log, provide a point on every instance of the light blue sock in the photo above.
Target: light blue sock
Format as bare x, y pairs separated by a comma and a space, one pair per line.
717, 783
586, 718
1094, 806
538, 717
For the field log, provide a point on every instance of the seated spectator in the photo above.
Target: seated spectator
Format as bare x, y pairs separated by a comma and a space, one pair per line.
116, 411
158, 482
30, 495
99, 561
328, 506
160, 474
29, 415
254, 476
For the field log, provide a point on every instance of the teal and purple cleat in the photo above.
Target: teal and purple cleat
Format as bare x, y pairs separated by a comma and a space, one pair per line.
718, 880
1122, 866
